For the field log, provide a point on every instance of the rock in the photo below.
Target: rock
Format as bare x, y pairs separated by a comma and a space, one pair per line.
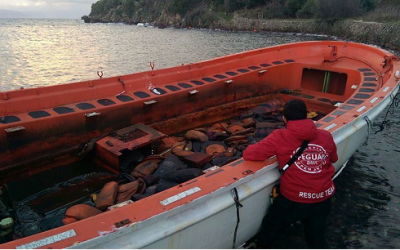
86, 19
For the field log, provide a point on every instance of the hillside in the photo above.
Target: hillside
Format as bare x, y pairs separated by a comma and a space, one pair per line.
211, 13
369, 21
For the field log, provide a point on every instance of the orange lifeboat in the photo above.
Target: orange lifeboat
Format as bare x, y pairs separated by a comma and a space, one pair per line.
51, 127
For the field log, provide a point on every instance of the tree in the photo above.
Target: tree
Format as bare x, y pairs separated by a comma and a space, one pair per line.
333, 10
128, 7
293, 6
308, 10
97, 8
368, 5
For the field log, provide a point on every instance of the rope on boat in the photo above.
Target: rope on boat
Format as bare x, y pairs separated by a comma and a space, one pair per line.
235, 196
369, 127
394, 104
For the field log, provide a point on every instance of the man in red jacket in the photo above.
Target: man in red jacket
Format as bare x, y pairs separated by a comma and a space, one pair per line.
306, 186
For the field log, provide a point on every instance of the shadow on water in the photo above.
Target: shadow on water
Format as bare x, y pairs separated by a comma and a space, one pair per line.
366, 206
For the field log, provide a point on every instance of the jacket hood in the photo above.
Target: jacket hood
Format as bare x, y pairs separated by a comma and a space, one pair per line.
304, 130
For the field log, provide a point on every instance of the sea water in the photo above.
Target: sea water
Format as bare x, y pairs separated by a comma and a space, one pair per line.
40, 52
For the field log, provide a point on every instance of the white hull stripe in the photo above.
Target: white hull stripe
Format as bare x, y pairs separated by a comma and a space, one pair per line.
331, 126
179, 196
361, 109
49, 240
374, 100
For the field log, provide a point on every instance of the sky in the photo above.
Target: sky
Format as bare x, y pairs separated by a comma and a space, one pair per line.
72, 9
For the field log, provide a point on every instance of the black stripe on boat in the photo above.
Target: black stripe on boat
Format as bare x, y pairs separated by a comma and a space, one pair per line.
9, 119
190, 182
362, 96
318, 125
354, 101
277, 62
289, 60
85, 106
124, 98
208, 79
38, 114
236, 163
254, 67
215, 172
307, 96
265, 65
106, 102
158, 91
335, 102
329, 119
231, 73
339, 112
63, 110
369, 74
185, 85
369, 84
324, 100
366, 90
243, 70
172, 88
370, 79
220, 76
141, 94
197, 82
346, 107
364, 69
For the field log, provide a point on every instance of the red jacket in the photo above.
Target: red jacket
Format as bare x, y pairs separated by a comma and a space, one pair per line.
309, 179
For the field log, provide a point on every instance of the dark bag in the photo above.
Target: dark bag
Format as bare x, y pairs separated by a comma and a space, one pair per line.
165, 184
171, 163
276, 190
183, 175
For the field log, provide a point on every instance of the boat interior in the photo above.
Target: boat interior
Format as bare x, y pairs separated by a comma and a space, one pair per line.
61, 145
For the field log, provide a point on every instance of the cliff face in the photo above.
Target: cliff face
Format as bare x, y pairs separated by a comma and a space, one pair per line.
151, 11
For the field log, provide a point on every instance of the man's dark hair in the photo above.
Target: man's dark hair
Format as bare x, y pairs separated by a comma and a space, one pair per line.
295, 110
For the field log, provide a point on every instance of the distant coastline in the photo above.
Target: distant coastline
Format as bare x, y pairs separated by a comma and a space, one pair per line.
366, 21
386, 35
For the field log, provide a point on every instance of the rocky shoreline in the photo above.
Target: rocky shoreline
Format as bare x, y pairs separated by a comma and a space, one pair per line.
386, 35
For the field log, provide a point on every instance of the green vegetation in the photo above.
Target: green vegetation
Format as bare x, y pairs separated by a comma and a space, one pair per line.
204, 13
103, 6
128, 7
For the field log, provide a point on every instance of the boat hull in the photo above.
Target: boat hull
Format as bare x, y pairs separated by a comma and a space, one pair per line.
210, 221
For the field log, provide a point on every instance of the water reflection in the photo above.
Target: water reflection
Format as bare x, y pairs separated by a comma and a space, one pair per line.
48, 52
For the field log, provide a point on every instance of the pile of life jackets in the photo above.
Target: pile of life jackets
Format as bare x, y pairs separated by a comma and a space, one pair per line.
187, 156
